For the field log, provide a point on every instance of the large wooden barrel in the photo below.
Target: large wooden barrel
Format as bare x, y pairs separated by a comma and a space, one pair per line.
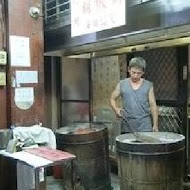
152, 165
89, 142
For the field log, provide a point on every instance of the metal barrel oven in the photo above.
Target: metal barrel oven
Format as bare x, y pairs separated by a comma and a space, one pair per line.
151, 166
89, 142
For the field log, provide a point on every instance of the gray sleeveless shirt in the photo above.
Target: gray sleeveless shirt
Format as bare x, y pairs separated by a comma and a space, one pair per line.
136, 106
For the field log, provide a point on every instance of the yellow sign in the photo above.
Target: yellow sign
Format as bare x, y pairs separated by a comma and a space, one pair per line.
2, 78
3, 58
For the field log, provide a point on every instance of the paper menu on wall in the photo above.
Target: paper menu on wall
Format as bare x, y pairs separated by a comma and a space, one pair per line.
20, 51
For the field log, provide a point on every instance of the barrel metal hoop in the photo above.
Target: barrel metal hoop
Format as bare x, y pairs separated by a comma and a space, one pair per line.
91, 160
103, 186
82, 143
152, 153
152, 183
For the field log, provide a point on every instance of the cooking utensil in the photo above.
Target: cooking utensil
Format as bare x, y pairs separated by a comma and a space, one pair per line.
139, 136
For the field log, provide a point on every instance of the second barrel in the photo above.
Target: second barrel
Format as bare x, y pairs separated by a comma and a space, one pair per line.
89, 142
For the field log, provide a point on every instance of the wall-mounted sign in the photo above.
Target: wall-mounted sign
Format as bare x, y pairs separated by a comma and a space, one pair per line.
3, 58
2, 78
20, 51
26, 77
89, 16
24, 97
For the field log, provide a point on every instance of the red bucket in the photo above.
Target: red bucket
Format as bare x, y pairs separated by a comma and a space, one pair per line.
57, 172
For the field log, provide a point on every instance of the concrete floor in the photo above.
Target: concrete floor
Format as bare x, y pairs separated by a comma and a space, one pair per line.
115, 181
56, 184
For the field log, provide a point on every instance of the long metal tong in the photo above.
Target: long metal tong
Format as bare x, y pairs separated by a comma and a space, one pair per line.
139, 136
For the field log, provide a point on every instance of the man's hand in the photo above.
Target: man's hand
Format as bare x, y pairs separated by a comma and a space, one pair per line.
155, 129
118, 112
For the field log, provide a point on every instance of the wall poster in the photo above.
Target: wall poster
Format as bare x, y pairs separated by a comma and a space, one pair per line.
20, 51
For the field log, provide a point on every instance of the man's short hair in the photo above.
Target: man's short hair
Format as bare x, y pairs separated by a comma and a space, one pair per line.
137, 62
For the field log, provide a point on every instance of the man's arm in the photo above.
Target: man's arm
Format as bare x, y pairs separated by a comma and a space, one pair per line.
115, 94
153, 109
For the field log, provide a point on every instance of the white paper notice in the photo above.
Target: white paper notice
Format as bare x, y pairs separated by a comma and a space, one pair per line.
24, 97
26, 77
88, 16
41, 174
20, 51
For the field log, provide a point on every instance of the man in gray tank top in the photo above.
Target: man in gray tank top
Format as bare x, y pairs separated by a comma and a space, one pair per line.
139, 110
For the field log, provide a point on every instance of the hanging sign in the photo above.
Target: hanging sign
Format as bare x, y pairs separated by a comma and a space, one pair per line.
89, 16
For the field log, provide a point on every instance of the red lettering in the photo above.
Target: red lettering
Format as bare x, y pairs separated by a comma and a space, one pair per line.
86, 7
100, 4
